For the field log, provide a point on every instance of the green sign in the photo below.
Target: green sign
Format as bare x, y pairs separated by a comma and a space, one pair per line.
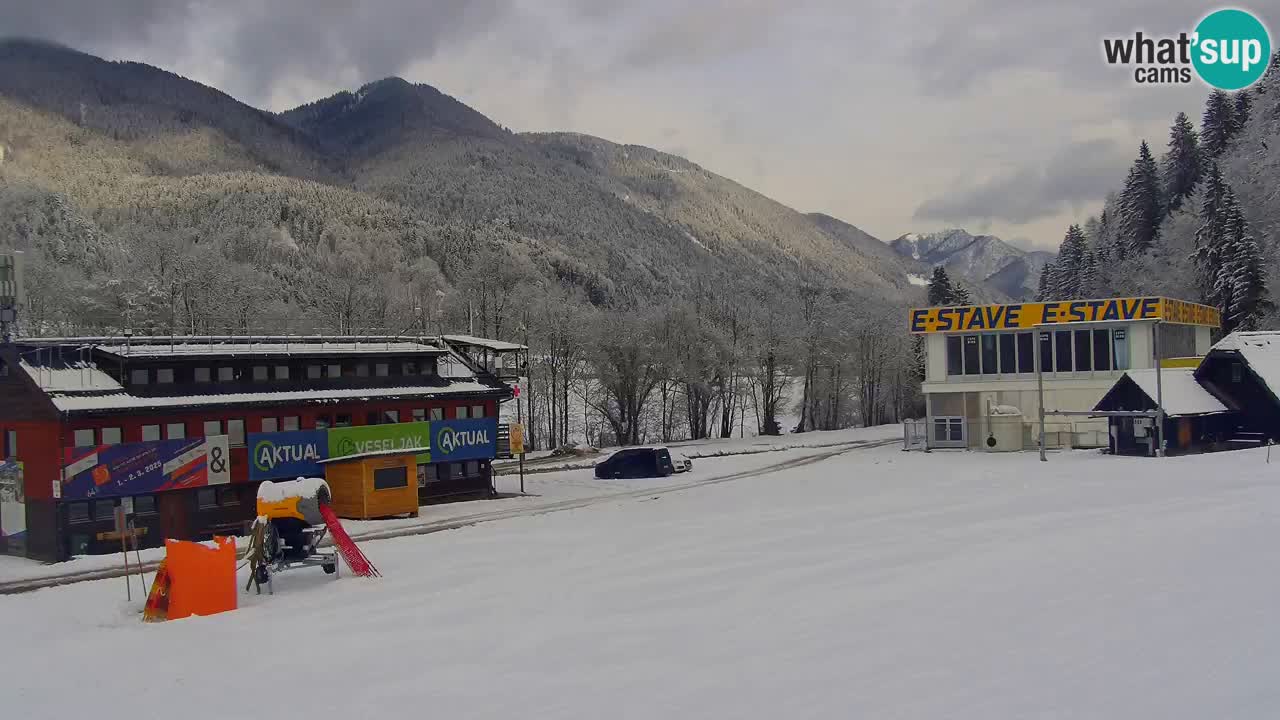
344, 442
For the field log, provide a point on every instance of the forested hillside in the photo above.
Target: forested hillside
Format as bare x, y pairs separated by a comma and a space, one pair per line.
1201, 221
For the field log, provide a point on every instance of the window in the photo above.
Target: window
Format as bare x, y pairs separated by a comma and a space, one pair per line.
176, 431
473, 467
1026, 353
228, 496
429, 474
437, 413
206, 498
212, 427
323, 422
203, 375
971, 365
1237, 372
1046, 352
112, 436
290, 423
372, 418
270, 425
335, 371
419, 414
84, 438
477, 411
140, 377
391, 416
1062, 351
314, 372
988, 353
1121, 344
226, 374
235, 432
150, 433
78, 512
144, 505
362, 370
391, 478
164, 376
955, 355
342, 421
456, 470
282, 372
259, 373
1084, 353
1101, 349
382, 369
428, 367
11, 444
1008, 354
104, 509
409, 368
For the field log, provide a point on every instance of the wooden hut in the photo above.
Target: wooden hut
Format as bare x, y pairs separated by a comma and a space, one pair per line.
374, 485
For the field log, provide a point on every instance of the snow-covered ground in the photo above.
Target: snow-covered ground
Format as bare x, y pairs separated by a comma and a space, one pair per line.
871, 584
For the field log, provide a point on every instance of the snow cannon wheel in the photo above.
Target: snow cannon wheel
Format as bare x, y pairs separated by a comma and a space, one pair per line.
329, 568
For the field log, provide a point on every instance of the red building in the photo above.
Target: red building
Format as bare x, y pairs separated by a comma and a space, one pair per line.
60, 395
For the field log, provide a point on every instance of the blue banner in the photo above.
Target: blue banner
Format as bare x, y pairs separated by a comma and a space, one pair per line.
453, 440
287, 454
145, 467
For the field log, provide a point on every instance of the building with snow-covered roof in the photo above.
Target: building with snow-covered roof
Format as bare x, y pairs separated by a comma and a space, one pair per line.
983, 357
1194, 418
1244, 369
181, 430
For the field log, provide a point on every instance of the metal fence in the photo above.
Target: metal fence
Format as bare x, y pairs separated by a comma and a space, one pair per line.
915, 434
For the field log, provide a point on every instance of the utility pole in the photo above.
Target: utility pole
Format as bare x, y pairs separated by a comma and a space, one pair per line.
1039, 352
1155, 349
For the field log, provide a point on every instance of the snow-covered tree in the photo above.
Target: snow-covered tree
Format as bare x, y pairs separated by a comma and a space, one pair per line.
1140, 205
1243, 276
1211, 238
941, 290
1070, 265
1217, 124
1243, 107
1046, 276
1182, 163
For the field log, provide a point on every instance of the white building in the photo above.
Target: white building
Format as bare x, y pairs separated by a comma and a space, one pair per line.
980, 381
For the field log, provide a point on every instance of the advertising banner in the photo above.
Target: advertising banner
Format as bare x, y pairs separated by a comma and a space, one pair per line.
1024, 316
287, 454
344, 442
139, 468
464, 439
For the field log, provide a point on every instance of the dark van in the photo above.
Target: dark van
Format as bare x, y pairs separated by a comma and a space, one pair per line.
637, 463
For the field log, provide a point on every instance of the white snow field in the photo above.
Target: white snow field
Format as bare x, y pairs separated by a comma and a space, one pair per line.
876, 584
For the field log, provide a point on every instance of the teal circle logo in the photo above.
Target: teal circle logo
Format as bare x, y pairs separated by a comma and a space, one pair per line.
1232, 49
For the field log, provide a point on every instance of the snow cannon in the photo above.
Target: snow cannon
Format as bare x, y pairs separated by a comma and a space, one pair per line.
294, 517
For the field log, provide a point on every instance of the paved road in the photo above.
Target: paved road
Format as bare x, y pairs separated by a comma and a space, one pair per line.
21, 586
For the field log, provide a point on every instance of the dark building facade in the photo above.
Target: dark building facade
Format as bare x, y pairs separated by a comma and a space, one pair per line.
181, 430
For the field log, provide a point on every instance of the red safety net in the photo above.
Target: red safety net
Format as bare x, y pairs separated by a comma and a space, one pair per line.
355, 559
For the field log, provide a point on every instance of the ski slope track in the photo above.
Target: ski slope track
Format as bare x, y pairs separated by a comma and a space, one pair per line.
454, 523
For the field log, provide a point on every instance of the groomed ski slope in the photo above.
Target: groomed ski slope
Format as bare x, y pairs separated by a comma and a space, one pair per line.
877, 584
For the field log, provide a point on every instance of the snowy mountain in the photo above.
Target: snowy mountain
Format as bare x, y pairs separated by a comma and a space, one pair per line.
984, 259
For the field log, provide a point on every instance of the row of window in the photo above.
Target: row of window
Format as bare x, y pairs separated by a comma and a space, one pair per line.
10, 449
1061, 351
235, 431
265, 373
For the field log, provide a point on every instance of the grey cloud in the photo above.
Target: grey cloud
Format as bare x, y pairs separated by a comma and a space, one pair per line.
1077, 174
77, 22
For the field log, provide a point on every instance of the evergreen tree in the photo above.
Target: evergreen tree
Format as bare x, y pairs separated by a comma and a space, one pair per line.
1211, 238
1243, 278
1217, 124
1182, 164
1042, 292
960, 296
1069, 265
1240, 117
1090, 275
940, 290
1268, 91
1140, 206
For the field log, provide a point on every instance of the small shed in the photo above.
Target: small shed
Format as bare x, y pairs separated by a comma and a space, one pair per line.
375, 484
1195, 419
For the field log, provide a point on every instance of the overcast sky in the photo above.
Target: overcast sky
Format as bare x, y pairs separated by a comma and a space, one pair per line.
897, 115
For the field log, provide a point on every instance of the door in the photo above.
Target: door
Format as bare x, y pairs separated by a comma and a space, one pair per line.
175, 514
948, 432
1184, 433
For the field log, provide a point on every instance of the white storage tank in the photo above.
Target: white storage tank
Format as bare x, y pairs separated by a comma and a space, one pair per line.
1004, 429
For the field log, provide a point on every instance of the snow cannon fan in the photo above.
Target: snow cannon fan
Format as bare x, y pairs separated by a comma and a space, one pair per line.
293, 519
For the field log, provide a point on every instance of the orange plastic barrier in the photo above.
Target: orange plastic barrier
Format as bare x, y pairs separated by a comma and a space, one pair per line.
202, 580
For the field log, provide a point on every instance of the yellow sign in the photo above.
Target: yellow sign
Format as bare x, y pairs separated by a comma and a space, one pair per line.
1024, 316
517, 439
